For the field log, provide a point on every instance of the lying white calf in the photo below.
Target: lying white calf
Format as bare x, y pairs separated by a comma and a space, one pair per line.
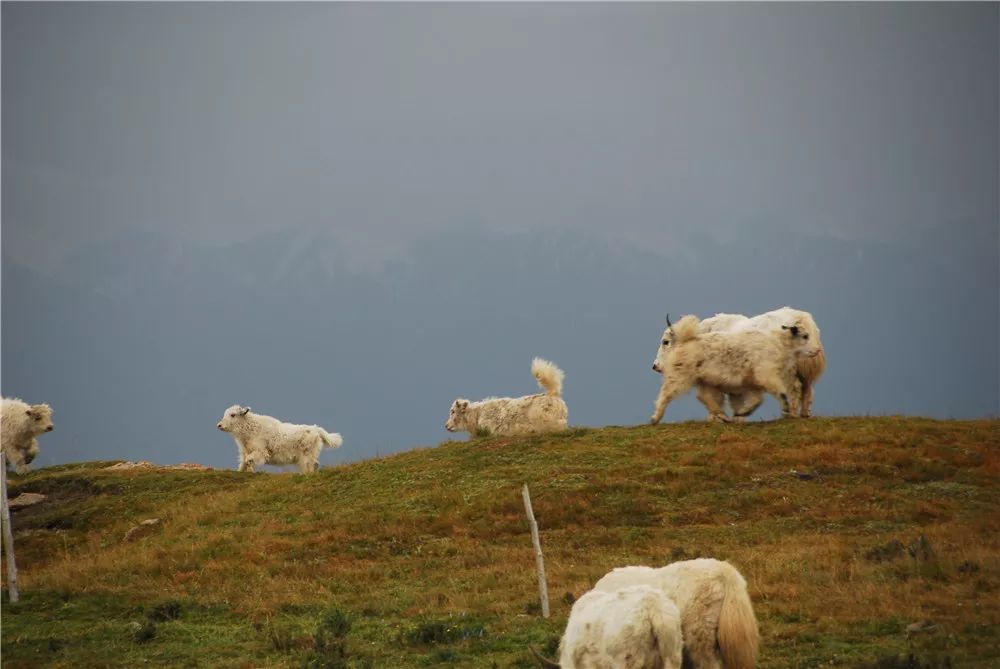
264, 440
518, 415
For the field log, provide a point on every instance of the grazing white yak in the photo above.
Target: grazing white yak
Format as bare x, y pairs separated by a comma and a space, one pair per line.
810, 357
717, 618
637, 627
264, 440
544, 412
20, 424
720, 362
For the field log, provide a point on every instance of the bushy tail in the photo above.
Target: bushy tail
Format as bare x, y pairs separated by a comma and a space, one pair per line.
686, 329
331, 439
738, 633
549, 377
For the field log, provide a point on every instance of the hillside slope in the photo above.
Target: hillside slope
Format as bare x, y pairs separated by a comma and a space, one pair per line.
427, 553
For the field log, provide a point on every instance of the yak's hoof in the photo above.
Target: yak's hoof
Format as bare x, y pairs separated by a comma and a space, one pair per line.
654, 421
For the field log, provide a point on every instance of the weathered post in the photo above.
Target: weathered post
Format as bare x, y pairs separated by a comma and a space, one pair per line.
543, 589
8, 534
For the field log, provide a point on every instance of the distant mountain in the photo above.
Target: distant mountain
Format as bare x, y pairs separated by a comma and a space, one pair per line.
140, 342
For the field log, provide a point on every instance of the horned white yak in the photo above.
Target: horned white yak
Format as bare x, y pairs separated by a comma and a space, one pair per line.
810, 358
717, 619
544, 412
636, 627
20, 425
721, 362
263, 440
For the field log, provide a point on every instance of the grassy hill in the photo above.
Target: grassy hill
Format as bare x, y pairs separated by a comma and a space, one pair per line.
424, 558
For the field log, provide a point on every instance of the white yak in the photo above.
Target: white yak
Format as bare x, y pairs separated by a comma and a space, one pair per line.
545, 412
721, 362
717, 619
264, 440
636, 627
20, 425
810, 358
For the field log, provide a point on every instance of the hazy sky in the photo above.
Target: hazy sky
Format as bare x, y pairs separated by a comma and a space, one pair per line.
351, 214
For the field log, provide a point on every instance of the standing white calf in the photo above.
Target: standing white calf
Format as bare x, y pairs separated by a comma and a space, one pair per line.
20, 424
545, 412
636, 627
810, 357
264, 440
717, 618
721, 362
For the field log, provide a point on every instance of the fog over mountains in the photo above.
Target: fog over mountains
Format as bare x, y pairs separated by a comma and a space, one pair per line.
352, 213
143, 352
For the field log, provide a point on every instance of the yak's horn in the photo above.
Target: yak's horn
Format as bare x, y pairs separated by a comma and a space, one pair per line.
545, 662
669, 324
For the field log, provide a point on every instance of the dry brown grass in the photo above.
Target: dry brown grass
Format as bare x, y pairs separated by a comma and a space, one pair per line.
440, 534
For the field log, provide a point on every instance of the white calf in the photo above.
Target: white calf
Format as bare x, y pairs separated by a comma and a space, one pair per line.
545, 412
266, 440
20, 424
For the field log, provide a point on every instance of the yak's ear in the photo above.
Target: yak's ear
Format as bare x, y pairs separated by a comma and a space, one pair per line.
794, 329
31, 413
245, 411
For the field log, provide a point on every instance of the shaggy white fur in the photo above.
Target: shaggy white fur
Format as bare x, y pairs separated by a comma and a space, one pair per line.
20, 424
721, 362
635, 627
810, 361
266, 440
515, 415
717, 619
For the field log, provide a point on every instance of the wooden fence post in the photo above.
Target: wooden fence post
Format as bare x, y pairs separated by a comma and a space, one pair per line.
8, 534
543, 589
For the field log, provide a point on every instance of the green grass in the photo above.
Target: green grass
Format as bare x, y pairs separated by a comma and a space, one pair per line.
426, 559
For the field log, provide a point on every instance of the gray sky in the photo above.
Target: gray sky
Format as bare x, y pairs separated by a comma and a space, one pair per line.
351, 214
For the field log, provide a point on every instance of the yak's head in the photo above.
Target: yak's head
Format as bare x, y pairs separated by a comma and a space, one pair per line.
40, 418
666, 341
233, 417
458, 416
804, 338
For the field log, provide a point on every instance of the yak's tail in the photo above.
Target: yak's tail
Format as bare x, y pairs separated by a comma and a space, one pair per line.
549, 377
686, 329
331, 439
738, 633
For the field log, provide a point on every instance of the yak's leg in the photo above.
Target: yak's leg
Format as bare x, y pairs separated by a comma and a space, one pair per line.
714, 400
789, 394
807, 399
15, 458
745, 403
671, 389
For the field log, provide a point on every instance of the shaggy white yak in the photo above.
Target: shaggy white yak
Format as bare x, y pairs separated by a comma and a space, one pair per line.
717, 618
545, 412
721, 362
264, 440
20, 424
637, 627
810, 360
